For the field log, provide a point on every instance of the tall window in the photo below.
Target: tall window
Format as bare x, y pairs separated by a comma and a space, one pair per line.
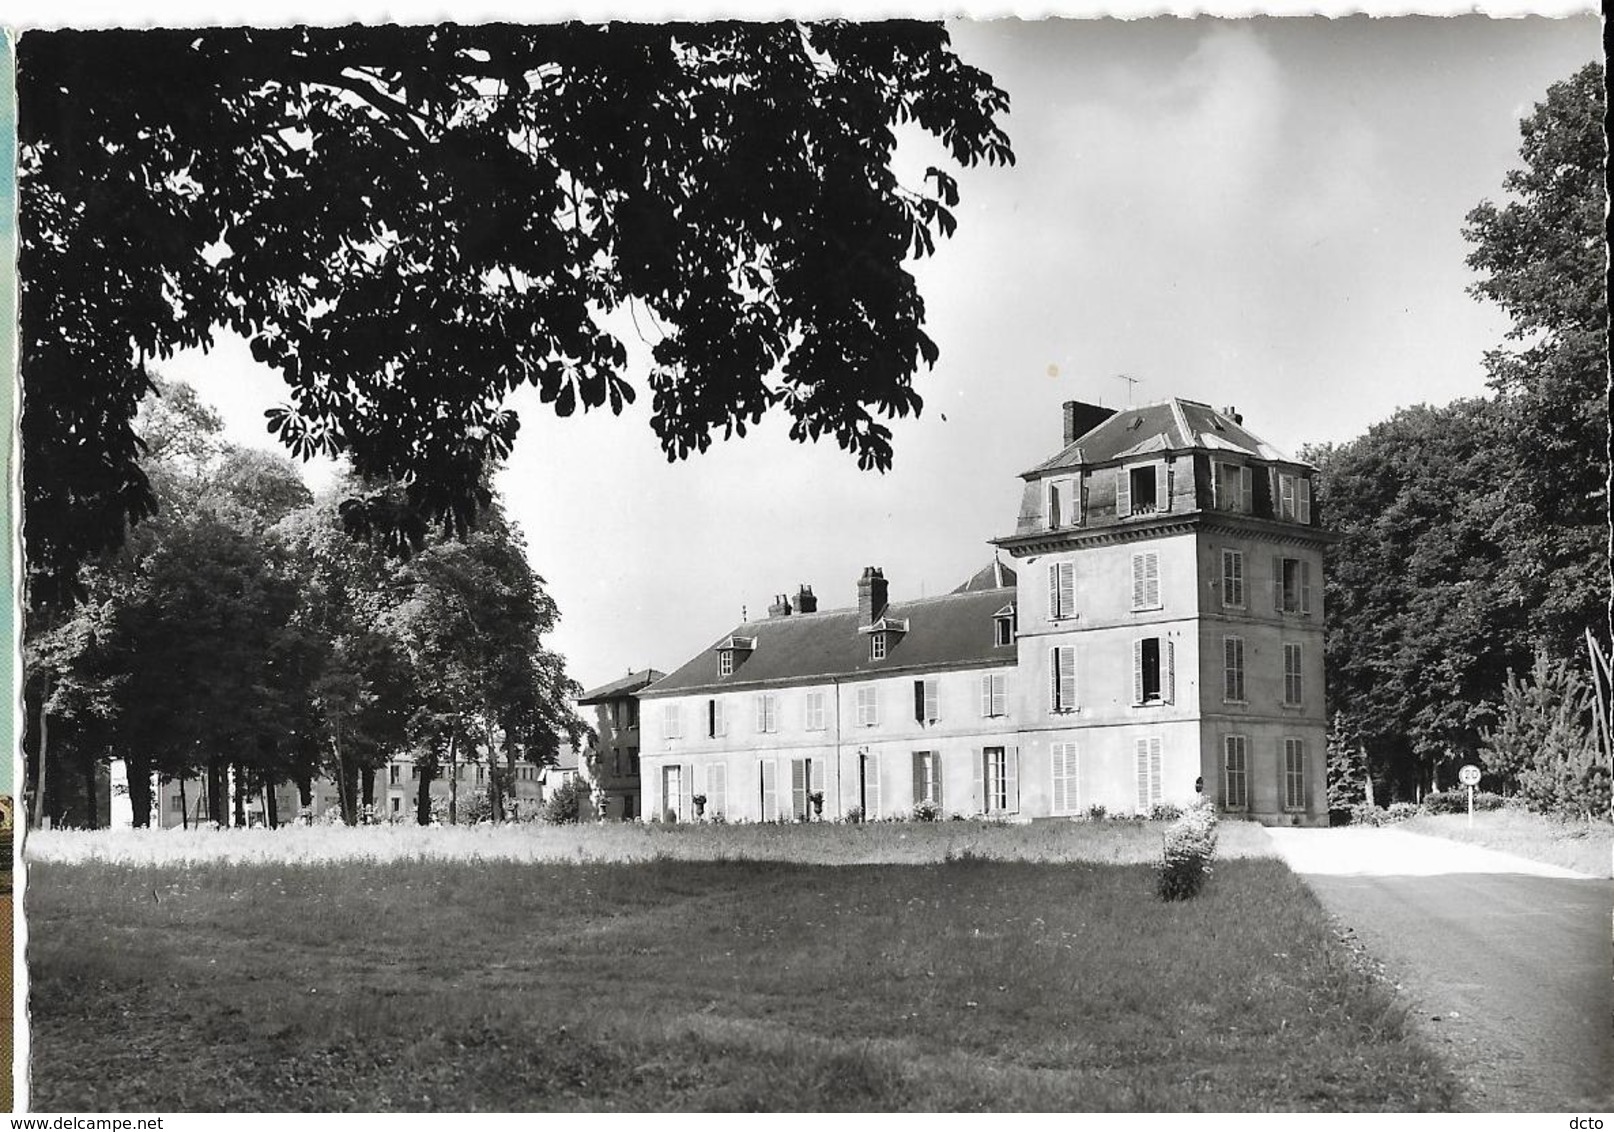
725, 662
927, 777
868, 706
815, 711
672, 722
1148, 767
998, 779
1235, 773
1293, 691
1061, 590
1294, 774
1291, 585
1003, 628
926, 701
717, 790
994, 694
1146, 580
394, 772
1154, 671
767, 713
1231, 488
1232, 579
715, 724
1294, 498
1142, 490
1064, 503
805, 777
876, 646
1066, 799
1062, 669
1233, 670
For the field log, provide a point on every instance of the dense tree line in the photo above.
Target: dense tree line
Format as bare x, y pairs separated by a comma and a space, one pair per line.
242, 635
1473, 552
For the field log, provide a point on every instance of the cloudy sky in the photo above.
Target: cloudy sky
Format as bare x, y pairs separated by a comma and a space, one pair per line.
1262, 213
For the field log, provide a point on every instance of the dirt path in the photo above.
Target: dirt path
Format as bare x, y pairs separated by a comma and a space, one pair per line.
1507, 963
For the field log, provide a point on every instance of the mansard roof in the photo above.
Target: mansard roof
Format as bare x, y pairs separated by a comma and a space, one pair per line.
1173, 425
951, 631
626, 686
993, 576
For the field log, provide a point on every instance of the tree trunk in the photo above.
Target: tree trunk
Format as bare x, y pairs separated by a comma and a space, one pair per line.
44, 749
510, 781
139, 769
217, 798
367, 788
241, 788
495, 786
87, 769
453, 778
423, 798
305, 791
271, 805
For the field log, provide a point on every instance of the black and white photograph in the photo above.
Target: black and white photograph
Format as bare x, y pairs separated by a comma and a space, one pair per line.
690, 562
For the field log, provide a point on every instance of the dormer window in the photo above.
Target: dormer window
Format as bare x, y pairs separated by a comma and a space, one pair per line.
1064, 503
1294, 498
1003, 626
883, 635
1142, 489
731, 653
1230, 488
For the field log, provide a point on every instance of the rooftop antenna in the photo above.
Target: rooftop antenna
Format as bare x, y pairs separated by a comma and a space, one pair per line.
1131, 386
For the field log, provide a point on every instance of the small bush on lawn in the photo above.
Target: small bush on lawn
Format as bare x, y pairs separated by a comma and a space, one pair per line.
1456, 802
927, 811
1366, 813
1096, 812
1165, 811
1190, 845
1401, 811
565, 805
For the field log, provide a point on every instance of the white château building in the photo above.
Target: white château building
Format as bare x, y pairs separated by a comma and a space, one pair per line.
1160, 633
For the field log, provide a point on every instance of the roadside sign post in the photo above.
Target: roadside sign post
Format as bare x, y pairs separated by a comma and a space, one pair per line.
1469, 776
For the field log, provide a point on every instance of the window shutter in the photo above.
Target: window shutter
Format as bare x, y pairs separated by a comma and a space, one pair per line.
762, 714
1162, 486
986, 696
1053, 689
979, 761
919, 701
1216, 486
1246, 491
1143, 774
1056, 762
1277, 584
936, 769
1303, 504
717, 788
1054, 517
932, 700
1000, 694
1138, 585
1123, 494
1151, 579
1011, 772
1305, 586
1054, 612
1169, 684
1272, 491
1077, 504
1154, 771
1066, 572
1067, 677
770, 804
1137, 671
918, 777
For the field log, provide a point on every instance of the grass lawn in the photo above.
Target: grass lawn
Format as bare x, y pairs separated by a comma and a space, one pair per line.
1586, 847
670, 983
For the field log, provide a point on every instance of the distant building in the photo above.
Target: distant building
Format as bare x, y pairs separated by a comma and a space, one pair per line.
1163, 629
611, 764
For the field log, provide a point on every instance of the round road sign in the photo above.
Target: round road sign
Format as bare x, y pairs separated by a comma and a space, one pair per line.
1469, 775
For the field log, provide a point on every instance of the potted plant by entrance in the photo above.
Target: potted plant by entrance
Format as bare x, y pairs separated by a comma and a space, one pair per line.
817, 799
700, 806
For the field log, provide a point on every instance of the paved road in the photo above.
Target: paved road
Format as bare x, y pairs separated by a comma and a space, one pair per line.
1508, 963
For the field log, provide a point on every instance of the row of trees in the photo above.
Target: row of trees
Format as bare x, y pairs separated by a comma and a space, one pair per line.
1473, 552
244, 633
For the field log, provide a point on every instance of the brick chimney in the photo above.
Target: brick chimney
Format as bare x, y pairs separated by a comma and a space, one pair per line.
1082, 418
780, 606
1233, 415
806, 600
871, 595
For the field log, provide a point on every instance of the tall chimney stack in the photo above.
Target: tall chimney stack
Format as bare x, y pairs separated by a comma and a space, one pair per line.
780, 606
806, 600
871, 595
1082, 418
